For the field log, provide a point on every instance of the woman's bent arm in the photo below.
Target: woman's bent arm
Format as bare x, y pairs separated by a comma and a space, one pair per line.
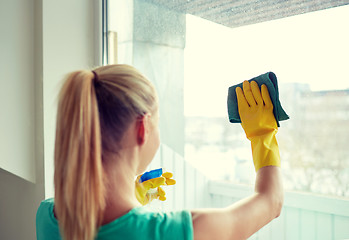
244, 218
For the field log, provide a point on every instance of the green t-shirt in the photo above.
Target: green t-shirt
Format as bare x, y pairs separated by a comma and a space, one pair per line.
138, 223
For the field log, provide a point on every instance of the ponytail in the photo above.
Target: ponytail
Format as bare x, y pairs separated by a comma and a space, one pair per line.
87, 131
78, 178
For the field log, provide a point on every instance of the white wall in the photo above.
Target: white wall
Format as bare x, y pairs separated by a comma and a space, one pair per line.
68, 34
40, 42
17, 88
21, 167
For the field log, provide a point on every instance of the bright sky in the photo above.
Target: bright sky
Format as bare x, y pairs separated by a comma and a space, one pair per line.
309, 48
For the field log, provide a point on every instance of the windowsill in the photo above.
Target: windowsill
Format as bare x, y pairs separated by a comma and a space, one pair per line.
300, 200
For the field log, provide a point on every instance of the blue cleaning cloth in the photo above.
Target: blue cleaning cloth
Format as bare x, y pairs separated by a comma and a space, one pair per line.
270, 80
151, 174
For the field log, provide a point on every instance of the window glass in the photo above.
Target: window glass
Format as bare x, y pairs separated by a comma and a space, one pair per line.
309, 54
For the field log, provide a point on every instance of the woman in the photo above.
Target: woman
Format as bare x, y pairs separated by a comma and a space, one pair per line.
107, 133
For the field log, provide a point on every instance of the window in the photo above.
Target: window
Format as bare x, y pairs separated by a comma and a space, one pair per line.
309, 54
193, 61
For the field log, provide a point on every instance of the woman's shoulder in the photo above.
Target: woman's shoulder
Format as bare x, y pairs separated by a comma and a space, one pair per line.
46, 223
140, 222
47, 202
45, 208
162, 217
45, 205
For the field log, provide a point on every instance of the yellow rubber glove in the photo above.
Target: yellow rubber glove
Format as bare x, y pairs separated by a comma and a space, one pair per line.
150, 189
258, 121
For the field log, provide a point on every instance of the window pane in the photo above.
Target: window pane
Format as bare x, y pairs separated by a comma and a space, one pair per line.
309, 54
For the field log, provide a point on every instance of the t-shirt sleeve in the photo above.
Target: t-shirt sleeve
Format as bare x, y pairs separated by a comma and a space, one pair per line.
46, 225
141, 223
176, 225
185, 226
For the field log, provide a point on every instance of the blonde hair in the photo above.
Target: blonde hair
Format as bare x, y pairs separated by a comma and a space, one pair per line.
92, 117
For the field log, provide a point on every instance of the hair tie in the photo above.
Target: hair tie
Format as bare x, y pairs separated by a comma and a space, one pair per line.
95, 79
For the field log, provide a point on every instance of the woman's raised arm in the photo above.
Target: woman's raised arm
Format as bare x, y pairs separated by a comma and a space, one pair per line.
244, 218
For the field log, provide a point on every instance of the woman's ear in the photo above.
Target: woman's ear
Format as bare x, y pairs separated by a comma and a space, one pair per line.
143, 129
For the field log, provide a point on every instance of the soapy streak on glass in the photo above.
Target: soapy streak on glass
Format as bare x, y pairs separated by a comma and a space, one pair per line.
309, 53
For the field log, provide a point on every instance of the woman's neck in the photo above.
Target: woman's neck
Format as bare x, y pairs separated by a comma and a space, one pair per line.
120, 188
